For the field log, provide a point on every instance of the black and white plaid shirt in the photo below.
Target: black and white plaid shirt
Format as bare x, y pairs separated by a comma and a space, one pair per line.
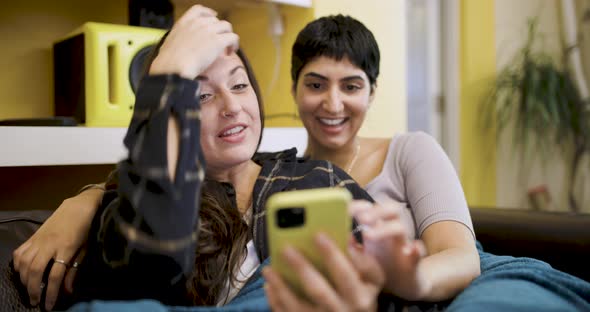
283, 171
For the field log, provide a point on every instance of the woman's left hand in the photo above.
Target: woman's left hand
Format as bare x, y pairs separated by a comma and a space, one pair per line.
357, 279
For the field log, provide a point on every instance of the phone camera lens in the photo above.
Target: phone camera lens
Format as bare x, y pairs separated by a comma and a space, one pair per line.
290, 217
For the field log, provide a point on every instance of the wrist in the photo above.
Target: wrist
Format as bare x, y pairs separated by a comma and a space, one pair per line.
415, 287
92, 187
89, 197
160, 67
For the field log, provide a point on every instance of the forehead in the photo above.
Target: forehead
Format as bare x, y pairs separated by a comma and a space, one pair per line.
223, 65
328, 66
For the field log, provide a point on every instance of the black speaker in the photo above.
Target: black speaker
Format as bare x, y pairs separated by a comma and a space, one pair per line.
151, 13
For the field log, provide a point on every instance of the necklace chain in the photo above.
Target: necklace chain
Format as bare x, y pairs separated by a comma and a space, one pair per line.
354, 157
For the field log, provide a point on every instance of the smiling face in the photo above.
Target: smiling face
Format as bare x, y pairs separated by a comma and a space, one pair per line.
230, 115
333, 98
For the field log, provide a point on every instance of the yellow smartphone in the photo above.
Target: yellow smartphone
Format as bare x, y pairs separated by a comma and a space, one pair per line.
295, 217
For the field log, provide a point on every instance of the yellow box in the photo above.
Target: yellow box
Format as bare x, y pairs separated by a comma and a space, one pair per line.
96, 70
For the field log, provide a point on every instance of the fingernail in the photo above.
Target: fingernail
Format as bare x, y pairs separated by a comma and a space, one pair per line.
407, 250
289, 252
49, 305
364, 218
322, 240
367, 232
33, 302
268, 291
352, 250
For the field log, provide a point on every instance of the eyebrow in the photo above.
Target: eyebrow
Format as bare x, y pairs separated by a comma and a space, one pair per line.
349, 78
231, 72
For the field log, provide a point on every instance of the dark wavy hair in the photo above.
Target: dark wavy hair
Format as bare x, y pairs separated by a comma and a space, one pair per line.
336, 36
223, 232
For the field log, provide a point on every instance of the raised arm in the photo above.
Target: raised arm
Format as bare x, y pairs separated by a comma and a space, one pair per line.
152, 221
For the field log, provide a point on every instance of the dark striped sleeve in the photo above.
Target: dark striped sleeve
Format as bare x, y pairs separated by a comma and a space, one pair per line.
169, 208
142, 243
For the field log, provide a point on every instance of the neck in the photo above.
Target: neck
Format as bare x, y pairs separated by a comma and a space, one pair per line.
340, 156
242, 177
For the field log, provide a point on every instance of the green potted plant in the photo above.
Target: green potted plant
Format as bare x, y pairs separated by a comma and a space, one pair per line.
538, 97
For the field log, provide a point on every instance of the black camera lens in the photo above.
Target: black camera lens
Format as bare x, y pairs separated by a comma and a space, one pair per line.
290, 217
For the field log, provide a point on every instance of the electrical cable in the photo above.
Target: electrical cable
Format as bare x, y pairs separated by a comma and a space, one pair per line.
276, 30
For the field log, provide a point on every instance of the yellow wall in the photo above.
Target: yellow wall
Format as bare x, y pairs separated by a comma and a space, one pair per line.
251, 24
386, 19
28, 29
477, 69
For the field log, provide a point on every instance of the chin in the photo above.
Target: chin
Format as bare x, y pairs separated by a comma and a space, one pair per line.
332, 142
226, 163
240, 154
334, 145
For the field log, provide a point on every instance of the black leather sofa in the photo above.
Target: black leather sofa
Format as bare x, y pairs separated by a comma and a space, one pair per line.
15, 228
562, 240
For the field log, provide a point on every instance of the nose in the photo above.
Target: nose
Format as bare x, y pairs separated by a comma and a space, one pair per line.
231, 106
332, 102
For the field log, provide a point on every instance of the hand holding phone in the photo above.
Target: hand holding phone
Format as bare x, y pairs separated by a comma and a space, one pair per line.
295, 217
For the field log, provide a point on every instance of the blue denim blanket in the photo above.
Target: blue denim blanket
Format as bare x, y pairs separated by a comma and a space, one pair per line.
521, 284
506, 284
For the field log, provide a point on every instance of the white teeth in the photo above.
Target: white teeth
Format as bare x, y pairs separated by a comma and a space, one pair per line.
233, 130
332, 122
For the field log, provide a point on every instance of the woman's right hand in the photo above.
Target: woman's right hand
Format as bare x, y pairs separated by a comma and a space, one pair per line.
60, 237
357, 280
195, 41
386, 238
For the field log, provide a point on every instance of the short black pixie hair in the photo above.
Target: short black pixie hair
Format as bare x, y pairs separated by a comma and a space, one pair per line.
336, 36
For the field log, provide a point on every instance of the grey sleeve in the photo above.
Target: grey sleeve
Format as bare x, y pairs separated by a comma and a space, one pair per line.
432, 187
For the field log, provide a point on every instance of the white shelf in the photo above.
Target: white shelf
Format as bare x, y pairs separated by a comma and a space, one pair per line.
223, 6
299, 3
52, 146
